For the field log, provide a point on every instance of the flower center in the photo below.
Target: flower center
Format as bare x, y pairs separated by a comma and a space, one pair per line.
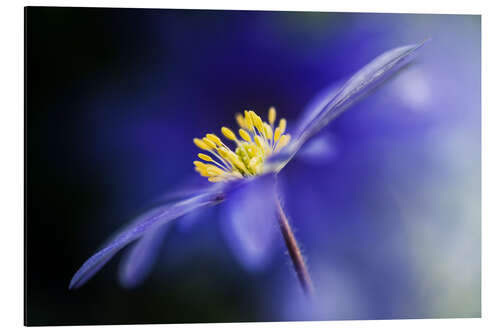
258, 140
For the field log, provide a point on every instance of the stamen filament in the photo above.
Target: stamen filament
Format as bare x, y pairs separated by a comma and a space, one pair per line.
209, 159
221, 159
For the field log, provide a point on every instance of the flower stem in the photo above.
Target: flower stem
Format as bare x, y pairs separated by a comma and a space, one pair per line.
294, 251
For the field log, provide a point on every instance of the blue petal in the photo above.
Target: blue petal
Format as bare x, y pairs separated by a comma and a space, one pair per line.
357, 86
249, 226
137, 265
321, 149
316, 105
190, 220
139, 227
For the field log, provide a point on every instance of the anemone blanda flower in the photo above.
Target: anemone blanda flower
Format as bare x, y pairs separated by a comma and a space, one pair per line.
246, 172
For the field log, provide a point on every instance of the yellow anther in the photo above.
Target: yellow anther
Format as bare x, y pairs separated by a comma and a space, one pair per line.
198, 164
231, 157
200, 144
205, 157
268, 131
257, 121
282, 125
248, 120
240, 120
271, 115
244, 135
214, 179
228, 133
212, 170
222, 152
235, 160
258, 140
209, 143
202, 170
236, 174
277, 133
284, 140
239, 164
215, 139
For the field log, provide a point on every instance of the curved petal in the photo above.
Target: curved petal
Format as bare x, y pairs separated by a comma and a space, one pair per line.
315, 105
188, 188
137, 265
249, 226
357, 86
138, 228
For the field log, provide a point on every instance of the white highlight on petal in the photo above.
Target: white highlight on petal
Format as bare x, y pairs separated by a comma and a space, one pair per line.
413, 89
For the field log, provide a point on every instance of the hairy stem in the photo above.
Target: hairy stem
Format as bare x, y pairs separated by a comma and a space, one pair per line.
294, 251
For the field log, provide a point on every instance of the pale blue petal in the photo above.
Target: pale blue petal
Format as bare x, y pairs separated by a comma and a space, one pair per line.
357, 86
83, 275
320, 150
190, 220
249, 225
139, 227
137, 264
316, 105
187, 222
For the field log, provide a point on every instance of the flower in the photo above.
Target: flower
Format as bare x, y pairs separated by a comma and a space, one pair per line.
248, 173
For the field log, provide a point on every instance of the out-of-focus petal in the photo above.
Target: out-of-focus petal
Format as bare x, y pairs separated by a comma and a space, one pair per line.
189, 188
357, 86
137, 264
190, 220
321, 149
249, 224
139, 227
316, 105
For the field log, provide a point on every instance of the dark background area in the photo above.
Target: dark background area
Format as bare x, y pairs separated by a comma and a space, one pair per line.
68, 51
114, 98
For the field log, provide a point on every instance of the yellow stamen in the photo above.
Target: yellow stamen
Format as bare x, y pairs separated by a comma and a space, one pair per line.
244, 135
205, 157
212, 170
222, 152
268, 131
257, 121
259, 140
209, 143
237, 162
231, 157
271, 115
248, 120
228, 133
277, 133
202, 170
215, 139
198, 164
284, 140
200, 144
282, 125
214, 179
240, 120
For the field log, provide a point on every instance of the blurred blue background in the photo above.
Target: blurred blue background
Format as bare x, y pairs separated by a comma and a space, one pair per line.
388, 217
